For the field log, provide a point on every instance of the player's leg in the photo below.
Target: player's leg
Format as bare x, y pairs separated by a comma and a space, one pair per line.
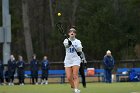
69, 76
76, 77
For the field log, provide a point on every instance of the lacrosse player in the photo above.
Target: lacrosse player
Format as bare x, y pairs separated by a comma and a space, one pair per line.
72, 59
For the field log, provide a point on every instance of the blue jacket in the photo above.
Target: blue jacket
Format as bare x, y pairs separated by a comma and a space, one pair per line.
45, 65
108, 62
34, 65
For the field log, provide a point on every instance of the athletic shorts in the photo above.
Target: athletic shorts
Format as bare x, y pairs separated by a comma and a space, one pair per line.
72, 62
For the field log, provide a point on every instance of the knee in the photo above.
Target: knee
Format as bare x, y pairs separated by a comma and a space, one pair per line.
69, 78
75, 77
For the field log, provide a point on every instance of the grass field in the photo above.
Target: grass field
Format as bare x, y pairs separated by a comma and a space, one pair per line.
65, 88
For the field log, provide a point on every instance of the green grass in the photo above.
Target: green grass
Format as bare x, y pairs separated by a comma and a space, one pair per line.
65, 88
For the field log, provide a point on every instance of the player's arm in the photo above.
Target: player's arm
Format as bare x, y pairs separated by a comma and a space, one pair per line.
67, 43
79, 48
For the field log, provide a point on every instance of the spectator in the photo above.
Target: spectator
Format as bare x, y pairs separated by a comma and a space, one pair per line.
108, 63
20, 70
34, 69
45, 70
11, 69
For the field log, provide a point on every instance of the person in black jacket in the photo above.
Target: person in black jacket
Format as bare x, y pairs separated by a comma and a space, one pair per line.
108, 63
1, 73
20, 70
11, 69
45, 70
34, 69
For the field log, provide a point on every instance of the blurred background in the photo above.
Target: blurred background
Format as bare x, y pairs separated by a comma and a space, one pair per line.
100, 25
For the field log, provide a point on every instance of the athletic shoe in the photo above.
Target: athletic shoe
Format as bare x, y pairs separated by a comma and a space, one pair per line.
22, 84
46, 82
42, 82
9, 84
77, 91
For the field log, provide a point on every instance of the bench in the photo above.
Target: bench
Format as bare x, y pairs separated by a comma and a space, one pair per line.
137, 70
52, 74
98, 73
124, 72
61, 74
121, 72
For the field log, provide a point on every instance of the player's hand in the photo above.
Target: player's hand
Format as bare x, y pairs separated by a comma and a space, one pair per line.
69, 43
85, 63
79, 53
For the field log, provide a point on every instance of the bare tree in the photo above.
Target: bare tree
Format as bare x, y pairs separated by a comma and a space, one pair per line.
75, 5
51, 14
27, 34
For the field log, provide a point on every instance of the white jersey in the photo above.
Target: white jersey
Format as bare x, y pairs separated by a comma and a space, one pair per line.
71, 57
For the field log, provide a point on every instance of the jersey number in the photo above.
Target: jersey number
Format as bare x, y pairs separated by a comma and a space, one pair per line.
71, 50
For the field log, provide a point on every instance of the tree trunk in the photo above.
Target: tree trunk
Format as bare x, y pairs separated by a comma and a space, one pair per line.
27, 34
137, 50
75, 5
51, 14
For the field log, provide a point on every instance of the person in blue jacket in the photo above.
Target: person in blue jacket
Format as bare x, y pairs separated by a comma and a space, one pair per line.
1, 73
34, 70
45, 70
11, 69
108, 63
20, 70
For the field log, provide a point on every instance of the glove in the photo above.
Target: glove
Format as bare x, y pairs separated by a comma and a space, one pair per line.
69, 43
85, 65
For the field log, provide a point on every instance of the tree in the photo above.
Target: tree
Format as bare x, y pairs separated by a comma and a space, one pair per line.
27, 34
